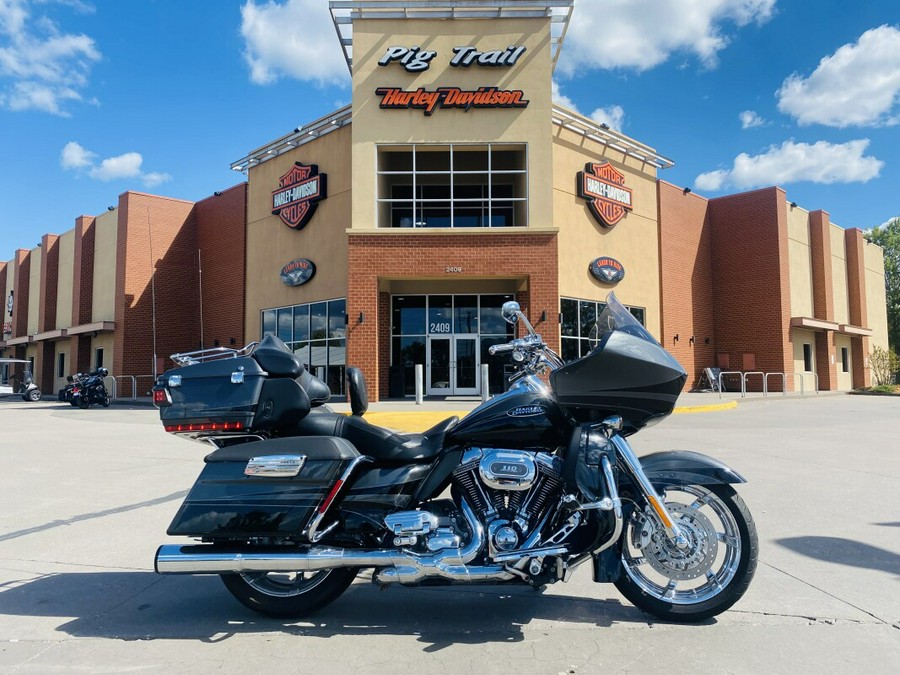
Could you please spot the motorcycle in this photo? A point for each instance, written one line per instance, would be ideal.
(88, 389)
(529, 486)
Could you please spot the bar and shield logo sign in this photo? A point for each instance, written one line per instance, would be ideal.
(602, 186)
(298, 194)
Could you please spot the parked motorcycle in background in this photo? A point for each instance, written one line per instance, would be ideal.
(296, 500)
(89, 389)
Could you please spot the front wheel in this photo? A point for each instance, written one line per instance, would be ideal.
(287, 595)
(34, 395)
(702, 579)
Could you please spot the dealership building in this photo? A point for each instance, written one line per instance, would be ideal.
(388, 234)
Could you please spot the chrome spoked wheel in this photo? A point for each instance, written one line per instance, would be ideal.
(702, 578)
(288, 594)
(285, 584)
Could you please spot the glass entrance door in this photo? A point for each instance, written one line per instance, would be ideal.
(452, 365)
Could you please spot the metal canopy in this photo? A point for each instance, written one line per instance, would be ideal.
(344, 12)
(600, 133)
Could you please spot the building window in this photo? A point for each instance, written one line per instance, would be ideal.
(452, 186)
(578, 318)
(845, 359)
(807, 357)
(98, 357)
(61, 365)
(315, 332)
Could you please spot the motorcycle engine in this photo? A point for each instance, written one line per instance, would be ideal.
(509, 490)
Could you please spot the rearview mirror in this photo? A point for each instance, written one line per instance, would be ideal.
(510, 312)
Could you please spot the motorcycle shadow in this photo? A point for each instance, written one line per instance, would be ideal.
(143, 605)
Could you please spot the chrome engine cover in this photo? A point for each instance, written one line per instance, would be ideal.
(507, 469)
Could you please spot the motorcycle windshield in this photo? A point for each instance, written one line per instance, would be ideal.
(617, 318)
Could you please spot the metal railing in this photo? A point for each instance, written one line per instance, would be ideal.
(150, 378)
(132, 389)
(765, 380)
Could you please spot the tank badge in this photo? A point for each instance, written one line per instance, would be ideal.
(527, 411)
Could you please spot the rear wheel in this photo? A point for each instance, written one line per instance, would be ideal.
(283, 594)
(105, 401)
(34, 395)
(83, 402)
(707, 576)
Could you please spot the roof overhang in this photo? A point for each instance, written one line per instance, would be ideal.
(855, 330)
(813, 324)
(601, 133)
(50, 335)
(345, 12)
(24, 340)
(97, 326)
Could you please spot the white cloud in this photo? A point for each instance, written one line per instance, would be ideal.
(641, 34)
(791, 162)
(74, 157)
(42, 67)
(749, 120)
(294, 39)
(613, 116)
(858, 85)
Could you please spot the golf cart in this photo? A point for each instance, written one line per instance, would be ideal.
(27, 389)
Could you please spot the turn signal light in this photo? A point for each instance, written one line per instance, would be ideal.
(208, 426)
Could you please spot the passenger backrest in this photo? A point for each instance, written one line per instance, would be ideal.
(357, 393)
(276, 359)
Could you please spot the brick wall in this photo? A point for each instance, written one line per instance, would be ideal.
(484, 256)
(46, 349)
(750, 263)
(20, 297)
(156, 269)
(686, 280)
(221, 238)
(823, 295)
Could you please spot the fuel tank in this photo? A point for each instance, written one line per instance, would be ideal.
(524, 417)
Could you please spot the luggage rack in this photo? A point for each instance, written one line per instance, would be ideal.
(212, 354)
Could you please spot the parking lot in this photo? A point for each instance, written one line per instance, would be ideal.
(86, 496)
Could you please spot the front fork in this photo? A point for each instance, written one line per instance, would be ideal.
(632, 466)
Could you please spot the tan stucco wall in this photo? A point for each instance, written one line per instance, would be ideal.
(634, 241)
(844, 379)
(271, 244)
(34, 291)
(800, 262)
(798, 338)
(105, 342)
(65, 279)
(839, 275)
(528, 125)
(105, 242)
(876, 296)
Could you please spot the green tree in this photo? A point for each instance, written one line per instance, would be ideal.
(887, 236)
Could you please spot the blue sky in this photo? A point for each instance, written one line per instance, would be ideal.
(100, 96)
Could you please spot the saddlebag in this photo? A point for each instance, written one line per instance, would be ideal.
(233, 499)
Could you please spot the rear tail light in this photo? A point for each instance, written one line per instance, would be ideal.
(206, 426)
(161, 397)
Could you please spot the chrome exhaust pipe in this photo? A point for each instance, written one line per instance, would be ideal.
(398, 566)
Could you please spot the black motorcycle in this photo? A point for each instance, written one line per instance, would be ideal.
(296, 499)
(89, 389)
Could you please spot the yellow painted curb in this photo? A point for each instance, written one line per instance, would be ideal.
(727, 405)
(420, 420)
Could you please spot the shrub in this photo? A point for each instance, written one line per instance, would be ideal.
(884, 364)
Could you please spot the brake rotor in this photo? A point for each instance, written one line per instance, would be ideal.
(691, 562)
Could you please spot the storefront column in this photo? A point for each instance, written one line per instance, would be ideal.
(826, 366)
(859, 358)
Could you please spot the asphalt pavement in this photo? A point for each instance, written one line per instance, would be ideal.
(86, 496)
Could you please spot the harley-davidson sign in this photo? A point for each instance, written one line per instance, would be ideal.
(607, 270)
(298, 194)
(394, 98)
(298, 272)
(603, 187)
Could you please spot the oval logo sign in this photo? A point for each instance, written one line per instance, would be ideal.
(298, 272)
(607, 270)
